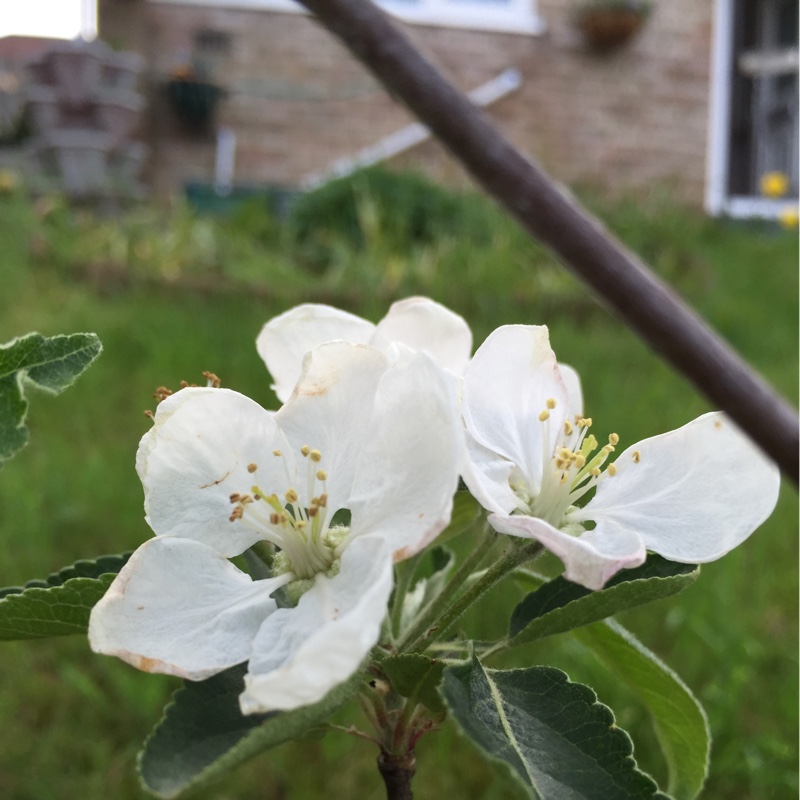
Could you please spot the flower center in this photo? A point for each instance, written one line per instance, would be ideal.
(570, 470)
(297, 521)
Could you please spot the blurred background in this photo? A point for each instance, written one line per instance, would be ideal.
(183, 172)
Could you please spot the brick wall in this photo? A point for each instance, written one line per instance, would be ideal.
(298, 101)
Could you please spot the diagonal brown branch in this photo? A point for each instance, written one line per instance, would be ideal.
(550, 214)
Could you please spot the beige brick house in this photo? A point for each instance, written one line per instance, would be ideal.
(702, 99)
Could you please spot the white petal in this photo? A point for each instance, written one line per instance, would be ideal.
(487, 477)
(410, 458)
(301, 653)
(590, 559)
(426, 326)
(574, 392)
(195, 456)
(180, 608)
(506, 387)
(695, 494)
(330, 407)
(285, 339)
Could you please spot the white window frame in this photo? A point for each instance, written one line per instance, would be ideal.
(717, 201)
(508, 16)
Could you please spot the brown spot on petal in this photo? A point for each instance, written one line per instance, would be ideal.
(216, 483)
(147, 664)
(718, 424)
(402, 554)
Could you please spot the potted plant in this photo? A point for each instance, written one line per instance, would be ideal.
(607, 24)
(194, 97)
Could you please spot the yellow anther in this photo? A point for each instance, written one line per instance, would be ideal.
(251, 468)
(277, 453)
(316, 456)
(305, 449)
(568, 427)
(322, 475)
(613, 439)
(323, 501)
(560, 463)
(550, 403)
(545, 415)
(611, 470)
(583, 422)
(300, 524)
(245, 499)
(637, 456)
(565, 452)
(595, 472)
(291, 496)
(608, 448)
(580, 461)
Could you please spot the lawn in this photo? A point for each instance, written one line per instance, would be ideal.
(172, 295)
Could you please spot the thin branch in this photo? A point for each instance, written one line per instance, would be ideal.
(549, 213)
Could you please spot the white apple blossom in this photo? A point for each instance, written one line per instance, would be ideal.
(378, 440)
(691, 495)
(416, 322)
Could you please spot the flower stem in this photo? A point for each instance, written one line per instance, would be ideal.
(517, 554)
(397, 772)
(428, 615)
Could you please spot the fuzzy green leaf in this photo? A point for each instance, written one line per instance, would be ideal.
(203, 734)
(49, 364)
(558, 741)
(561, 605)
(412, 674)
(61, 603)
(678, 718)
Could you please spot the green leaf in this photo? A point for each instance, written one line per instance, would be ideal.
(678, 718)
(557, 739)
(466, 513)
(561, 605)
(60, 604)
(412, 674)
(50, 364)
(203, 734)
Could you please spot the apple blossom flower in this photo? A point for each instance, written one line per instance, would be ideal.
(691, 495)
(416, 322)
(360, 435)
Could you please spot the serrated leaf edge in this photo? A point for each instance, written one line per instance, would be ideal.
(685, 579)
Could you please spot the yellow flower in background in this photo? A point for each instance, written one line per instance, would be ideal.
(788, 218)
(8, 181)
(774, 184)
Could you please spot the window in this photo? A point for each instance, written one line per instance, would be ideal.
(511, 16)
(754, 110)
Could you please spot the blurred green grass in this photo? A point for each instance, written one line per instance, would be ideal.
(172, 294)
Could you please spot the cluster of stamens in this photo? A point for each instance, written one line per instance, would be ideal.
(163, 392)
(569, 470)
(298, 529)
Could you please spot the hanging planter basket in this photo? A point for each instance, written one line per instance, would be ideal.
(607, 26)
(195, 102)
